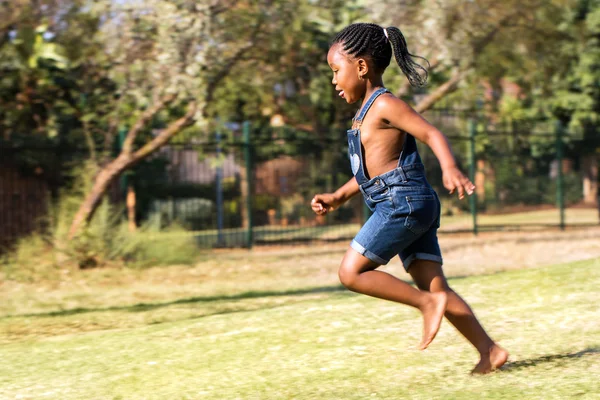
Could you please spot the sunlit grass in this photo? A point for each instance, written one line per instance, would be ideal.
(276, 325)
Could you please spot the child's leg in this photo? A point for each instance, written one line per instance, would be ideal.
(429, 276)
(358, 274)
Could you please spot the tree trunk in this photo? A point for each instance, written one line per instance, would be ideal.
(125, 160)
(446, 88)
(92, 200)
(131, 208)
(590, 179)
(480, 181)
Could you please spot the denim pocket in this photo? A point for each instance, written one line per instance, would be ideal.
(381, 195)
(381, 200)
(423, 212)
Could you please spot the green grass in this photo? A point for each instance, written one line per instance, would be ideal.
(276, 325)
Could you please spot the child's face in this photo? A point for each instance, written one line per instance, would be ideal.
(346, 72)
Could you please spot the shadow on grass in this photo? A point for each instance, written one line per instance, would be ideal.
(532, 362)
(140, 307)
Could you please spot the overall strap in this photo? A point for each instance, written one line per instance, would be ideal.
(363, 111)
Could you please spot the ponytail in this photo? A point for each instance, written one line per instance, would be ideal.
(404, 58)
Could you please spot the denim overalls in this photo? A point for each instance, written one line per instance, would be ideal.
(406, 209)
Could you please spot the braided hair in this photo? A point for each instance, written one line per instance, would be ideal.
(371, 41)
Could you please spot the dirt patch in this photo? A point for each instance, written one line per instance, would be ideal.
(496, 251)
(467, 254)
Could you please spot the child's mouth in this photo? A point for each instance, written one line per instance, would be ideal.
(342, 94)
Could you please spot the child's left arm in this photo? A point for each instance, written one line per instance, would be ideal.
(402, 116)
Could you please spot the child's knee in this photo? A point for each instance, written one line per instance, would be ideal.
(347, 275)
(443, 287)
(439, 284)
(434, 285)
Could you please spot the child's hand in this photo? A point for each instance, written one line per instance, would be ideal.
(455, 180)
(324, 203)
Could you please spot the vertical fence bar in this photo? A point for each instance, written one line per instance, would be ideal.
(472, 161)
(248, 161)
(560, 193)
(219, 179)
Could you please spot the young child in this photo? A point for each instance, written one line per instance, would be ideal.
(388, 171)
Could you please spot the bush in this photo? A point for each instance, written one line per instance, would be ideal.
(105, 241)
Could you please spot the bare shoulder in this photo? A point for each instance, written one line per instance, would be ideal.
(389, 107)
(392, 111)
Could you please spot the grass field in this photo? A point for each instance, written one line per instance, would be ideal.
(275, 324)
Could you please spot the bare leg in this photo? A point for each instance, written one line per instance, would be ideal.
(428, 276)
(358, 274)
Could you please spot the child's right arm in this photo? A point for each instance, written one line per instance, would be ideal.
(326, 202)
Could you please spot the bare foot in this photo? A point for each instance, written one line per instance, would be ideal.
(433, 312)
(494, 359)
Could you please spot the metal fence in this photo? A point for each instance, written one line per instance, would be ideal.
(245, 189)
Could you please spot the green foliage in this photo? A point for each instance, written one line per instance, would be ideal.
(47, 70)
(559, 74)
(294, 83)
(107, 238)
(31, 259)
(106, 241)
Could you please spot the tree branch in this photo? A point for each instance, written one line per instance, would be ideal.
(220, 7)
(488, 37)
(446, 88)
(143, 121)
(451, 84)
(166, 134)
(223, 72)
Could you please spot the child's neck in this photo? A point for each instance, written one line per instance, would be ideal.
(372, 85)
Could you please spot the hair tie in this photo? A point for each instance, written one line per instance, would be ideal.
(386, 34)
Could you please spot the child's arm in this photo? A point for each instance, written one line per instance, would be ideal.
(401, 116)
(326, 202)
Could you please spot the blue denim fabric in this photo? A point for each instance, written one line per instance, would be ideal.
(406, 209)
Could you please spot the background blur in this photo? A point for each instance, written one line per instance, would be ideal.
(127, 123)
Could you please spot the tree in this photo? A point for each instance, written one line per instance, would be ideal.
(168, 58)
(459, 38)
(575, 97)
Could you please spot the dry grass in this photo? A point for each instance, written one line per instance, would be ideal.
(224, 273)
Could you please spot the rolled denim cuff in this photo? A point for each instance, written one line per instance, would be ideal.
(370, 255)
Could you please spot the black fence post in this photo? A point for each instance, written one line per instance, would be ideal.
(248, 162)
(560, 193)
(472, 161)
(219, 181)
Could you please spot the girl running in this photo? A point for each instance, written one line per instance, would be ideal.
(388, 171)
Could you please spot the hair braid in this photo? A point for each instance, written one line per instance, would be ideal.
(369, 40)
(404, 58)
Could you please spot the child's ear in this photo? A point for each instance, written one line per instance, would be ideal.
(363, 67)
